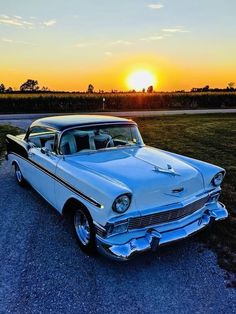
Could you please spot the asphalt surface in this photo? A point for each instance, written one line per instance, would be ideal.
(145, 113)
(24, 120)
(42, 269)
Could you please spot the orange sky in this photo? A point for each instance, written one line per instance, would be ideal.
(71, 46)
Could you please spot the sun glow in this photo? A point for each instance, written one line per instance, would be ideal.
(141, 79)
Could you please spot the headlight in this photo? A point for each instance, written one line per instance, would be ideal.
(218, 178)
(121, 203)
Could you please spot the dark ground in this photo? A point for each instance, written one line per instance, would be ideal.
(42, 269)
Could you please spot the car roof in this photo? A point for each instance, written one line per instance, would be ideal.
(62, 123)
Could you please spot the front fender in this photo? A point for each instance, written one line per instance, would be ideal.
(96, 192)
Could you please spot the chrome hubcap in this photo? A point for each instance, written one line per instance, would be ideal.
(18, 174)
(82, 227)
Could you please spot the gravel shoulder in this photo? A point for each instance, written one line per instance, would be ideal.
(42, 269)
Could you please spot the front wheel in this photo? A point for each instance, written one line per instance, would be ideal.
(84, 230)
(18, 175)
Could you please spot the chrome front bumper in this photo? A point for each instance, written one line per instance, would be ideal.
(153, 238)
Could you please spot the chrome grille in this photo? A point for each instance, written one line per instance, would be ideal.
(166, 216)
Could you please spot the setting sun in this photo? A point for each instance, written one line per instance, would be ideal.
(141, 79)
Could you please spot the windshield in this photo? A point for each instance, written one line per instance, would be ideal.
(100, 137)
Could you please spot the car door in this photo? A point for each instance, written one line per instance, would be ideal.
(43, 162)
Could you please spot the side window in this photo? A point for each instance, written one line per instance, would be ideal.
(76, 141)
(42, 137)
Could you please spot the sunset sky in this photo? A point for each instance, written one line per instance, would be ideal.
(66, 45)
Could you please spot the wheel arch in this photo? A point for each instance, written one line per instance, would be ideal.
(71, 204)
(15, 162)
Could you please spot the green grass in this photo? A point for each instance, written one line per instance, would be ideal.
(211, 138)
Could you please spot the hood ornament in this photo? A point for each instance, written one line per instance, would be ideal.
(169, 170)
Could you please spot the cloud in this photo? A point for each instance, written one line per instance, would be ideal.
(155, 6)
(152, 38)
(19, 21)
(7, 40)
(49, 23)
(11, 41)
(166, 32)
(27, 23)
(121, 42)
(11, 21)
(178, 29)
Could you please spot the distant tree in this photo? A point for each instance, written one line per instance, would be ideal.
(150, 89)
(29, 86)
(90, 89)
(230, 85)
(2, 88)
(206, 88)
(9, 90)
(44, 89)
(143, 90)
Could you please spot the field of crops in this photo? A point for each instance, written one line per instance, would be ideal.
(82, 102)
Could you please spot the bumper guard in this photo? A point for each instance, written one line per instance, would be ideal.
(153, 239)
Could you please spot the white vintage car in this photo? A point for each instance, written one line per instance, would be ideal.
(126, 197)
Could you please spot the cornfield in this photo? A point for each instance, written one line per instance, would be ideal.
(82, 102)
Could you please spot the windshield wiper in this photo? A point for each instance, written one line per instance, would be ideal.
(125, 145)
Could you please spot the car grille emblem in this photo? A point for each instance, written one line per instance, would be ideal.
(178, 190)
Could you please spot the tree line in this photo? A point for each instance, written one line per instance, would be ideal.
(33, 86)
(28, 86)
(229, 87)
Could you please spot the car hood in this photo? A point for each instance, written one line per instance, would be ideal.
(154, 177)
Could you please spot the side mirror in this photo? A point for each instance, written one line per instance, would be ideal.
(46, 151)
(31, 145)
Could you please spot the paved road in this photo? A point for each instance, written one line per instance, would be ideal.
(120, 113)
(24, 120)
(42, 269)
